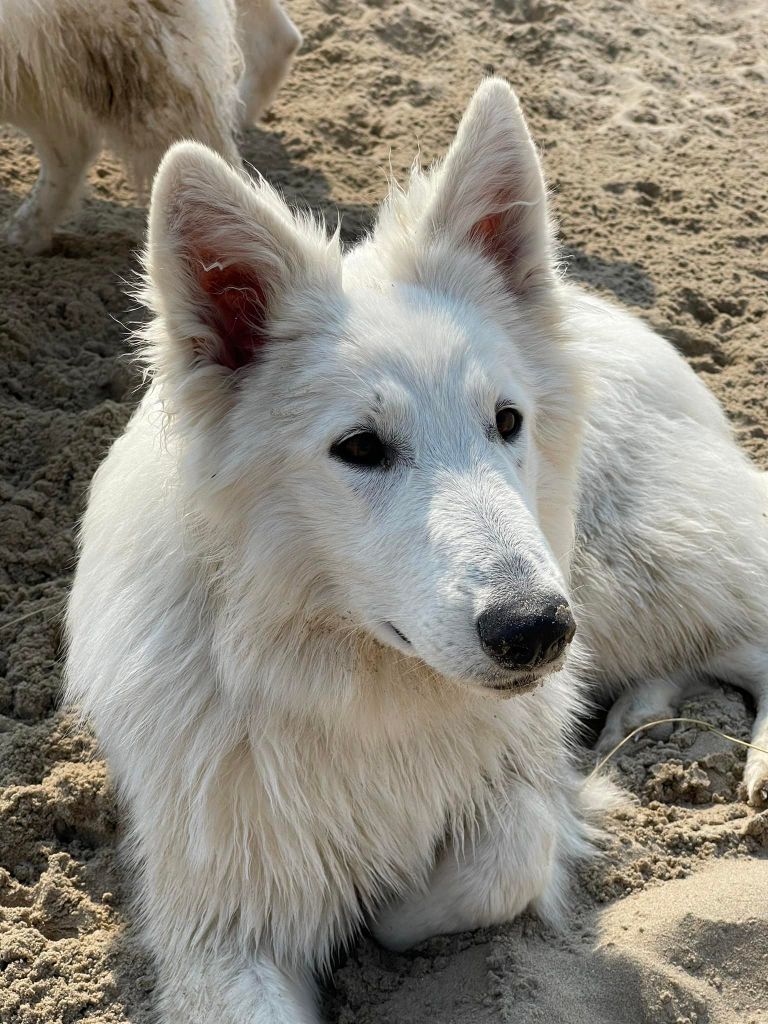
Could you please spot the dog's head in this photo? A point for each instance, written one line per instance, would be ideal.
(389, 438)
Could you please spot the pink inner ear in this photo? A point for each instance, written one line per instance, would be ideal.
(497, 243)
(236, 309)
(498, 233)
(487, 229)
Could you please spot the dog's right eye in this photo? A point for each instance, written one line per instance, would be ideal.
(365, 449)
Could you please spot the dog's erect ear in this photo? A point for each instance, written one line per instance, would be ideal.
(490, 190)
(222, 253)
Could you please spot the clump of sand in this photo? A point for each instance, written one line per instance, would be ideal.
(651, 121)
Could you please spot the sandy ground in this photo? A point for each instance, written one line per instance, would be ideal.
(652, 121)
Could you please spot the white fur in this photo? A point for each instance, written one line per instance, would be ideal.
(670, 572)
(79, 74)
(292, 767)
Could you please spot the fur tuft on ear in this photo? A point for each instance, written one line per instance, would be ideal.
(488, 194)
(222, 254)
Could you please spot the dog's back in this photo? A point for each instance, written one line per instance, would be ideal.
(668, 501)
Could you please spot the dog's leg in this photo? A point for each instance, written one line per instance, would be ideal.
(211, 988)
(64, 158)
(645, 702)
(268, 39)
(746, 666)
(518, 860)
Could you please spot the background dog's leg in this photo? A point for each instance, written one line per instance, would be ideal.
(206, 988)
(517, 861)
(65, 154)
(746, 666)
(268, 39)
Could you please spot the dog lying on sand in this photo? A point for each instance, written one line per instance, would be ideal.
(78, 74)
(330, 574)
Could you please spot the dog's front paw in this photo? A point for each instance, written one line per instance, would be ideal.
(30, 241)
(405, 923)
(756, 779)
(26, 231)
(630, 712)
(391, 928)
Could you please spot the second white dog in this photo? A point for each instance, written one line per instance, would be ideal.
(78, 74)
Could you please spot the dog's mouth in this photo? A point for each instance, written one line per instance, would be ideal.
(520, 681)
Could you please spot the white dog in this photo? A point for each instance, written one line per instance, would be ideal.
(338, 531)
(78, 74)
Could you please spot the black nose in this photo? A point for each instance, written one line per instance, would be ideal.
(526, 636)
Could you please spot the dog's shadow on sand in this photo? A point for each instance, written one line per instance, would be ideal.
(303, 186)
(628, 282)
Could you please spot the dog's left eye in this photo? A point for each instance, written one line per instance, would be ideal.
(508, 422)
(365, 449)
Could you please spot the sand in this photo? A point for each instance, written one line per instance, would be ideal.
(652, 121)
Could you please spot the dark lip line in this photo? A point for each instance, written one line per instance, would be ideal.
(402, 636)
(532, 679)
(520, 684)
